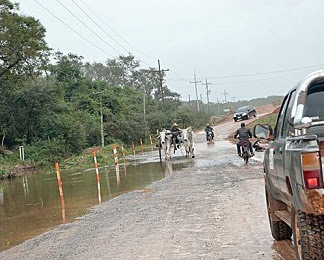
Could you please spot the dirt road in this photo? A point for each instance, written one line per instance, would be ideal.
(214, 209)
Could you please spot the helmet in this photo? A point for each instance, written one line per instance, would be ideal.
(207, 125)
(175, 124)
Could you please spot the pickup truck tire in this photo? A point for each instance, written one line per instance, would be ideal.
(279, 229)
(308, 235)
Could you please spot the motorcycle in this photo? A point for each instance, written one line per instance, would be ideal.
(210, 138)
(245, 151)
(259, 146)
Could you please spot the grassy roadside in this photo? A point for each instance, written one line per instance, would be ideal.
(269, 119)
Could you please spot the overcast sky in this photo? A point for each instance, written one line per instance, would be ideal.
(221, 40)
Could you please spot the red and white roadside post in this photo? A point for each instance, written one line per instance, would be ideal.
(59, 182)
(97, 174)
(114, 147)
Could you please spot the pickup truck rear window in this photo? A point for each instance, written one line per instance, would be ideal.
(314, 107)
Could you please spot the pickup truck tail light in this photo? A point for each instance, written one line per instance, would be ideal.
(312, 170)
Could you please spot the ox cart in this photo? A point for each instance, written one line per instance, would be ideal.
(167, 141)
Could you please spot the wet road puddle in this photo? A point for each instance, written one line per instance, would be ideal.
(31, 205)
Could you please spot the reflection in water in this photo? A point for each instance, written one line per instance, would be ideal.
(1, 195)
(97, 175)
(168, 169)
(25, 185)
(117, 175)
(108, 184)
(31, 205)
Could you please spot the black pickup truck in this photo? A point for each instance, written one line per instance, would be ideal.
(293, 167)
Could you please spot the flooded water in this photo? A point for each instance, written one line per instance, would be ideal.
(31, 205)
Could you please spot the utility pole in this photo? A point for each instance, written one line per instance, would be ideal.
(225, 95)
(144, 104)
(195, 82)
(144, 111)
(217, 107)
(160, 74)
(101, 117)
(189, 101)
(208, 92)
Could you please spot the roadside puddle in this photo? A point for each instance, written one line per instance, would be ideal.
(31, 205)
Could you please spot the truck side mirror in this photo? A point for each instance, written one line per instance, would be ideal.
(263, 131)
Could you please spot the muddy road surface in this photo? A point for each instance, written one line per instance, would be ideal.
(213, 209)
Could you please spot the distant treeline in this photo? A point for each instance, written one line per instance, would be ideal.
(271, 100)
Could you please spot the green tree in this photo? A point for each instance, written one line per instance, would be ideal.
(23, 49)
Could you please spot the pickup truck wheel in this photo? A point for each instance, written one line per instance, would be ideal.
(279, 229)
(308, 235)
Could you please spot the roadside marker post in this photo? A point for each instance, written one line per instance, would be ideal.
(97, 175)
(133, 147)
(59, 183)
(22, 153)
(114, 147)
(151, 142)
(123, 152)
(141, 143)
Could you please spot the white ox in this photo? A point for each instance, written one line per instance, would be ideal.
(165, 141)
(188, 142)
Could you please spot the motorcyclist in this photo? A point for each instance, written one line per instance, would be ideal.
(209, 129)
(175, 130)
(243, 133)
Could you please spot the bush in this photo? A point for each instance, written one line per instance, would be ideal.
(47, 150)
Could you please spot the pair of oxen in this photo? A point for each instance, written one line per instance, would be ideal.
(185, 137)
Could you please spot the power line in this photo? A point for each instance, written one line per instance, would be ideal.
(73, 29)
(114, 31)
(88, 27)
(100, 27)
(268, 72)
(121, 37)
(256, 74)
